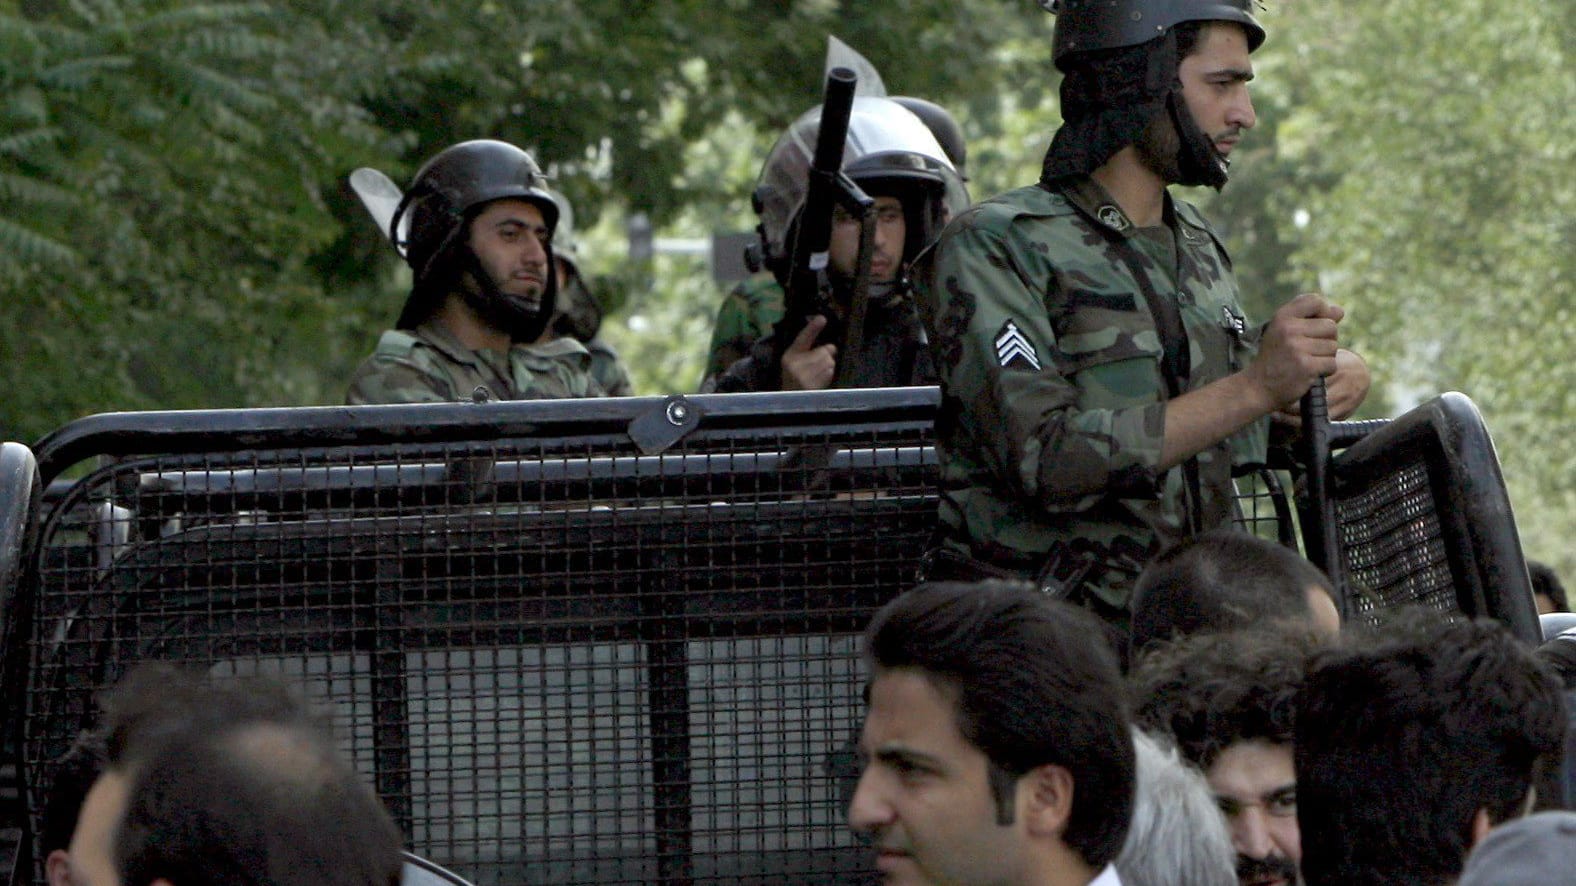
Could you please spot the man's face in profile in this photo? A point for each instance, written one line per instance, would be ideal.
(924, 798)
(98, 825)
(1256, 786)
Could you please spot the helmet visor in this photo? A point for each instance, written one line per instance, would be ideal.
(885, 140)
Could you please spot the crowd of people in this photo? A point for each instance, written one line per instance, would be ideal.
(1096, 681)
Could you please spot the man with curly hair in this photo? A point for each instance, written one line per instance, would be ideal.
(1229, 702)
(1413, 745)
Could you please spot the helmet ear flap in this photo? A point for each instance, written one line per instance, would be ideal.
(434, 276)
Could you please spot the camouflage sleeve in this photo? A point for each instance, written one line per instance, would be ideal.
(1060, 421)
(732, 334)
(384, 379)
(609, 370)
(750, 310)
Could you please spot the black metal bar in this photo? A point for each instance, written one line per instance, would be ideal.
(1320, 532)
(667, 672)
(1285, 527)
(229, 430)
(1345, 433)
(390, 706)
(20, 494)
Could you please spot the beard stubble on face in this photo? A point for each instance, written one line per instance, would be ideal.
(498, 309)
(1269, 869)
(1159, 148)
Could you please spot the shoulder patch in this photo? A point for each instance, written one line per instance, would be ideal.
(1014, 350)
(1113, 217)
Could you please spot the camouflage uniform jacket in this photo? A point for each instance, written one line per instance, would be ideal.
(429, 365)
(894, 353)
(748, 312)
(1053, 406)
(608, 369)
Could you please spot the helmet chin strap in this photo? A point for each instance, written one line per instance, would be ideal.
(1197, 159)
(496, 306)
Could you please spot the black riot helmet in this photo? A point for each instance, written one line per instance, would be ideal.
(1121, 60)
(447, 193)
(1093, 25)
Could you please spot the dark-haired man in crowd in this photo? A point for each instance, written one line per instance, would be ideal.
(71, 776)
(1413, 745)
(996, 741)
(226, 783)
(1547, 590)
(1227, 579)
(1229, 702)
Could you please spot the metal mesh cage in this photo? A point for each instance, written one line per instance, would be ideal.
(601, 641)
(561, 659)
(1263, 508)
(1422, 518)
(1393, 547)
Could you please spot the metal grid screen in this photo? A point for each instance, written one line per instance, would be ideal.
(560, 661)
(1393, 546)
(564, 656)
(1421, 518)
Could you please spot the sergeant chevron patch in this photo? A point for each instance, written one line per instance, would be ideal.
(1013, 349)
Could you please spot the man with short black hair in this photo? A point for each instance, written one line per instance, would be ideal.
(1412, 746)
(996, 741)
(1226, 579)
(1229, 702)
(226, 783)
(1547, 591)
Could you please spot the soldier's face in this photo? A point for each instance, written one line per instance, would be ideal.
(1215, 84)
(891, 230)
(509, 238)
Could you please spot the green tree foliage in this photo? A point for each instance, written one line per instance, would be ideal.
(1433, 150)
(175, 229)
(162, 180)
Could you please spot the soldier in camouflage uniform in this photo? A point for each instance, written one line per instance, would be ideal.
(896, 160)
(479, 244)
(752, 308)
(1100, 383)
(579, 314)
